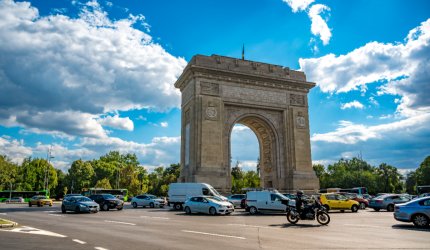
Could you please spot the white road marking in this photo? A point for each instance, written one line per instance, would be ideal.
(3, 213)
(360, 225)
(100, 248)
(58, 215)
(51, 211)
(79, 241)
(211, 234)
(32, 230)
(120, 222)
(161, 218)
(246, 225)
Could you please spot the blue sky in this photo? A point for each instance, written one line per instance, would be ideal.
(87, 77)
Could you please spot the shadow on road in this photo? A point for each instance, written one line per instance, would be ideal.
(289, 225)
(410, 227)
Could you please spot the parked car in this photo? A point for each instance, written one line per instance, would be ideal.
(79, 204)
(145, 200)
(236, 199)
(107, 201)
(335, 201)
(422, 195)
(208, 205)
(363, 203)
(387, 201)
(266, 201)
(416, 211)
(15, 200)
(40, 201)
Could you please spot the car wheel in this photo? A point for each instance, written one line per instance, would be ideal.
(39, 205)
(390, 208)
(177, 206)
(327, 208)
(63, 209)
(342, 211)
(29, 204)
(77, 209)
(420, 220)
(105, 207)
(134, 204)
(161, 206)
(212, 211)
(151, 205)
(354, 208)
(50, 204)
(120, 208)
(376, 209)
(362, 205)
(187, 210)
(253, 210)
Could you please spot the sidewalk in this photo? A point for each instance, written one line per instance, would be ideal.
(7, 223)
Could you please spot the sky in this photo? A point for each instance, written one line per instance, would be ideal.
(82, 78)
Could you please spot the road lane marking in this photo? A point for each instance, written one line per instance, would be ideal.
(246, 225)
(3, 213)
(58, 215)
(100, 248)
(32, 230)
(211, 234)
(154, 217)
(360, 225)
(51, 211)
(120, 222)
(79, 241)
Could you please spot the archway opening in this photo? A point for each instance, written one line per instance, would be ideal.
(244, 159)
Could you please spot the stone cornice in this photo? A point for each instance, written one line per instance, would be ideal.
(259, 74)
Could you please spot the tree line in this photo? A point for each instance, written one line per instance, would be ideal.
(116, 170)
(111, 171)
(381, 179)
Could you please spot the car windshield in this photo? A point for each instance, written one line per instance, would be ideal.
(83, 199)
(214, 191)
(108, 196)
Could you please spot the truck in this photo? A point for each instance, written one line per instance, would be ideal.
(180, 192)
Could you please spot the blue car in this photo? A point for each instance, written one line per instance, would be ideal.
(416, 211)
(79, 204)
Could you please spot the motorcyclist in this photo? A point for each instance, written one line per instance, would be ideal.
(299, 201)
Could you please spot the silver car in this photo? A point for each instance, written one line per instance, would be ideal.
(147, 200)
(236, 199)
(416, 211)
(79, 204)
(208, 205)
(387, 201)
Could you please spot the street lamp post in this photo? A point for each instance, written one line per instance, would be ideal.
(48, 159)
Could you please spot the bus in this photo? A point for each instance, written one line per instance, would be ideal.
(423, 189)
(119, 193)
(4, 195)
(354, 190)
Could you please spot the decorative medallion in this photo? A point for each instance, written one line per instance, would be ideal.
(301, 121)
(211, 112)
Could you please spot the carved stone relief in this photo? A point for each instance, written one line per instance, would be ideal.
(297, 100)
(207, 88)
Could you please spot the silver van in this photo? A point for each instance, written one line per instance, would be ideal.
(267, 201)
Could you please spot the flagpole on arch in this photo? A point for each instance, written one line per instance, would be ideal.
(243, 51)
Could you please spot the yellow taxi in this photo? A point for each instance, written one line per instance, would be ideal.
(40, 201)
(333, 201)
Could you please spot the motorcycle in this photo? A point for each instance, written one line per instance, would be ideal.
(310, 212)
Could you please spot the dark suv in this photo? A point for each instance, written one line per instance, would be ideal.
(107, 201)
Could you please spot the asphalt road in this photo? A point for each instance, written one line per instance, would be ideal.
(145, 228)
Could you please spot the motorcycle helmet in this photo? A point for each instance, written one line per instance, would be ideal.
(299, 193)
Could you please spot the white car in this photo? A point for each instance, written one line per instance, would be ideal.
(145, 200)
(207, 204)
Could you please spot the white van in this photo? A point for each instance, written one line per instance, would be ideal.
(180, 192)
(266, 201)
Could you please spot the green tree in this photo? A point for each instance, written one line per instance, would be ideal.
(103, 183)
(80, 175)
(390, 179)
(34, 173)
(423, 172)
(8, 173)
(237, 179)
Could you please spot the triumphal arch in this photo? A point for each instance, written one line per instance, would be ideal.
(219, 92)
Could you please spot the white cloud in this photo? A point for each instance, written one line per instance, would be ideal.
(240, 128)
(87, 66)
(319, 26)
(164, 124)
(350, 133)
(14, 149)
(353, 104)
(403, 66)
(298, 5)
(117, 122)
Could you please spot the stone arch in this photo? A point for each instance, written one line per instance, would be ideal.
(268, 145)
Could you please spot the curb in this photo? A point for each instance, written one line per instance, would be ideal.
(11, 224)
